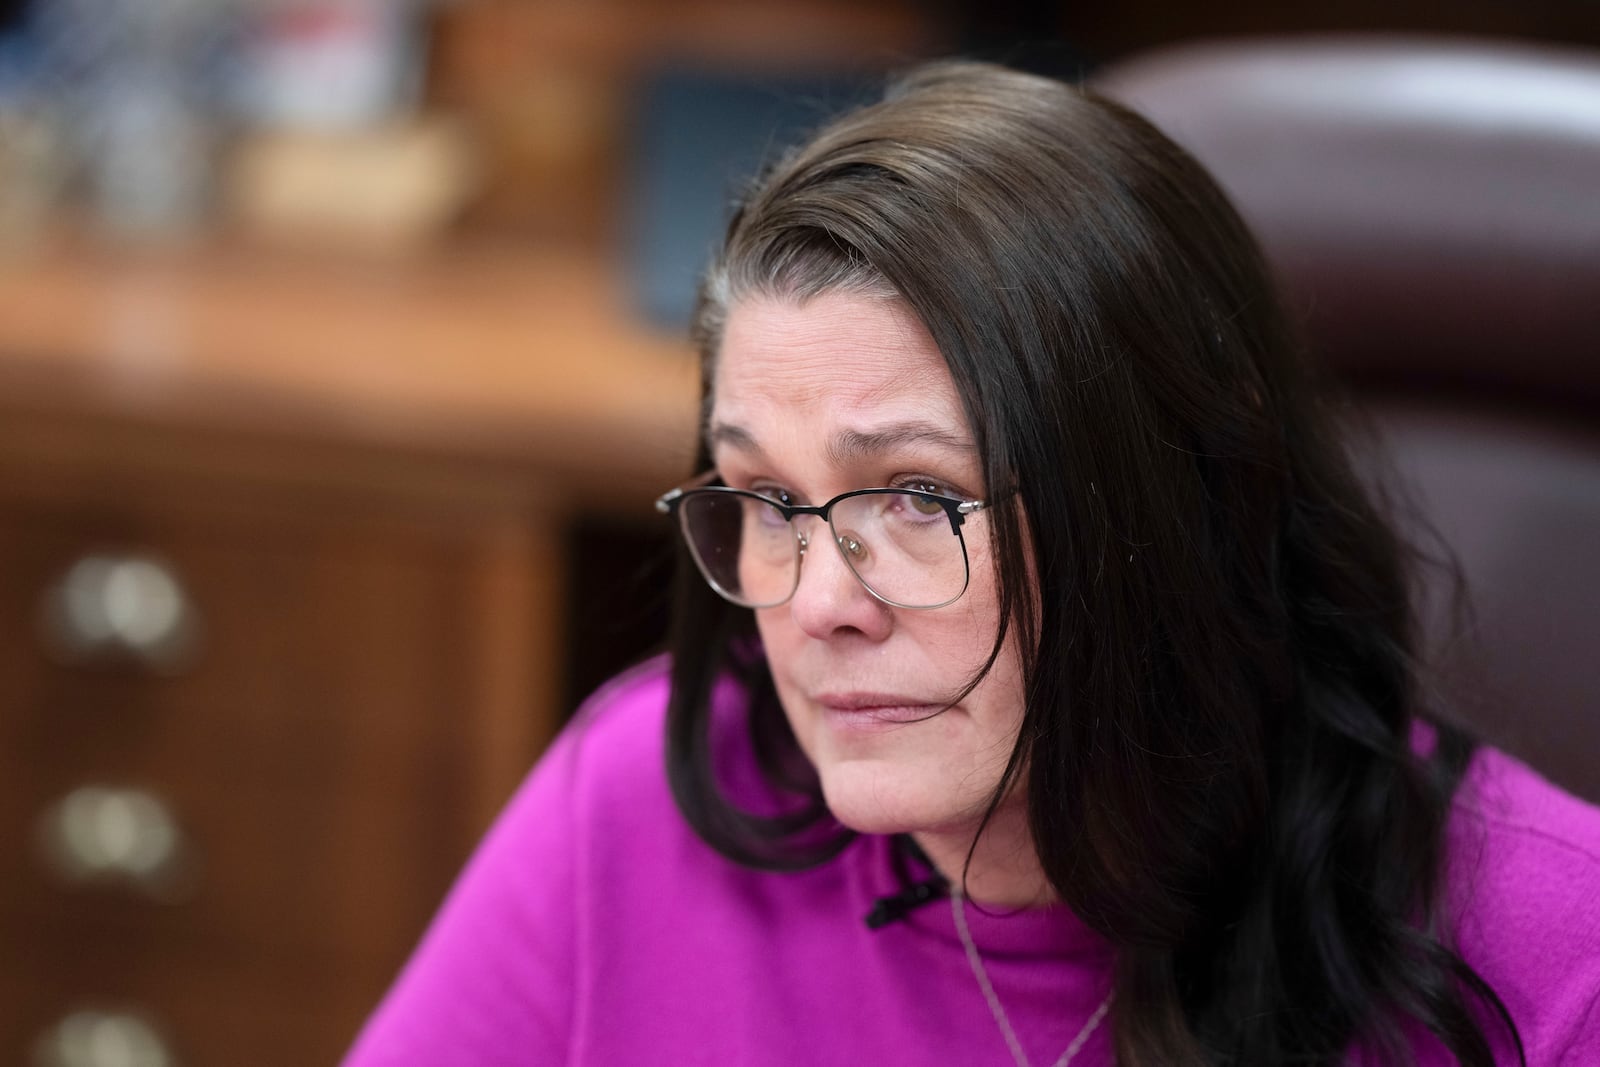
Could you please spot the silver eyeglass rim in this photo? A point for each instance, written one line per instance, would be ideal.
(956, 509)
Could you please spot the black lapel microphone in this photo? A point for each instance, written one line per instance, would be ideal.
(893, 908)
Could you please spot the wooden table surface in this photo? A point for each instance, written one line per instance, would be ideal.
(528, 358)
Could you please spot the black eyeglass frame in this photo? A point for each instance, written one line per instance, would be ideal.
(956, 509)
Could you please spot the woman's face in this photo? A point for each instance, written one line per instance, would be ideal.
(847, 392)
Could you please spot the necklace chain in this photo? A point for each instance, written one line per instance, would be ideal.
(959, 912)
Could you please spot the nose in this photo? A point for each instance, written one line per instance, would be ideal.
(829, 598)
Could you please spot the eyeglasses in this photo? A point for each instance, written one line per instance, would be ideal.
(904, 545)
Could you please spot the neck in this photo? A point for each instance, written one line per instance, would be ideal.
(1005, 869)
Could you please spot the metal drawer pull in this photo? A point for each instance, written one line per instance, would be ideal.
(121, 605)
(90, 1038)
(100, 834)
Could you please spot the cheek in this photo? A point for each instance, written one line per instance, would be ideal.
(776, 630)
(965, 631)
(958, 645)
(997, 702)
(783, 644)
(1002, 693)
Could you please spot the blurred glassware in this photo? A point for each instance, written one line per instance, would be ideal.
(133, 85)
(333, 151)
(329, 64)
(33, 170)
(32, 163)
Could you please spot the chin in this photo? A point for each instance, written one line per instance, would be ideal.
(871, 798)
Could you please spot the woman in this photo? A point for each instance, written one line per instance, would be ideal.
(1087, 733)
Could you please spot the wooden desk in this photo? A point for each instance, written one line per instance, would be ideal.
(354, 477)
(514, 358)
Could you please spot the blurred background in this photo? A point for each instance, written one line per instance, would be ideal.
(341, 356)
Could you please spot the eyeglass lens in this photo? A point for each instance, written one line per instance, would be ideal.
(900, 545)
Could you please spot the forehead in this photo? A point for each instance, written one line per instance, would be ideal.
(838, 356)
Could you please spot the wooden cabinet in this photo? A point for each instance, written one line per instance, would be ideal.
(261, 689)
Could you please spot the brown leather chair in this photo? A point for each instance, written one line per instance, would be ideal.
(1432, 208)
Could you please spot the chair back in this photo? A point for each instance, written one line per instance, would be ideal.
(1432, 210)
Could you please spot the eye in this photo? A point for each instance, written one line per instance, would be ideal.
(927, 485)
(774, 494)
(921, 505)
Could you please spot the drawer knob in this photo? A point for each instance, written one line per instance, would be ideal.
(101, 834)
(90, 1038)
(130, 605)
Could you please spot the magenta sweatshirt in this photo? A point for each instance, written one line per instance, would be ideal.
(594, 928)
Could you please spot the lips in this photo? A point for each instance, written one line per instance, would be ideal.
(870, 709)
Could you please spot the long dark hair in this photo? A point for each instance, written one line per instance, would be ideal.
(1219, 746)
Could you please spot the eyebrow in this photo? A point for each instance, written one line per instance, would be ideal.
(853, 445)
